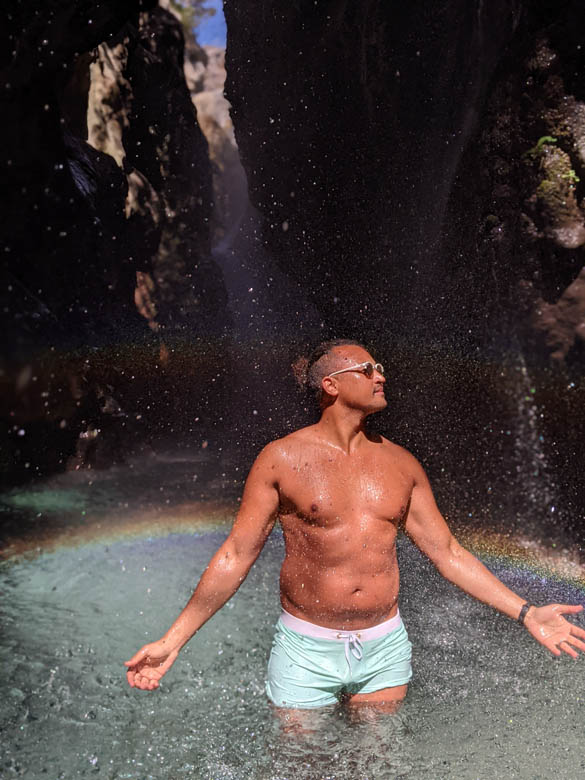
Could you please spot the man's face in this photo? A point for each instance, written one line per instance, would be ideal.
(354, 388)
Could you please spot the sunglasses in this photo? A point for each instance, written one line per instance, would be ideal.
(366, 368)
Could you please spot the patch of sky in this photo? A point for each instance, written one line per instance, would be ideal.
(211, 30)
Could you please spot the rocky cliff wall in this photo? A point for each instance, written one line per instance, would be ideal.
(419, 170)
(105, 225)
(351, 119)
(515, 238)
(230, 185)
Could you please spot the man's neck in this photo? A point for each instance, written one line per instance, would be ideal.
(342, 427)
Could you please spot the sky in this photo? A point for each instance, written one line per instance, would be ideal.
(212, 30)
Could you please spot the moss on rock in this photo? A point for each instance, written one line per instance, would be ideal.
(554, 198)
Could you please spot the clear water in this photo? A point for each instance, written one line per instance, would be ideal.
(165, 491)
(485, 702)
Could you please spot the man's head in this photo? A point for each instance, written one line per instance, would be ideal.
(342, 369)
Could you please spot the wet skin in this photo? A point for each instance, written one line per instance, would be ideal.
(340, 514)
(340, 495)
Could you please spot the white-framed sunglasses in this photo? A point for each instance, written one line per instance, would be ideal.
(366, 368)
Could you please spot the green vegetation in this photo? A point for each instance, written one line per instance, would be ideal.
(572, 177)
(191, 12)
(545, 139)
(537, 148)
(556, 165)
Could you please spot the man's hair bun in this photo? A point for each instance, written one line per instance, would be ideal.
(300, 370)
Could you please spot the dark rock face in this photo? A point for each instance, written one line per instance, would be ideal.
(517, 233)
(351, 118)
(167, 145)
(518, 201)
(71, 202)
(419, 168)
(63, 219)
(105, 226)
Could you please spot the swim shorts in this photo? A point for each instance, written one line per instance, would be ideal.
(312, 666)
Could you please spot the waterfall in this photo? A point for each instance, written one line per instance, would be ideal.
(532, 469)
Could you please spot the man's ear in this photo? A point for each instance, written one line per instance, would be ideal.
(329, 386)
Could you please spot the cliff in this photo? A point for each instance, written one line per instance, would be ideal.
(420, 172)
(106, 225)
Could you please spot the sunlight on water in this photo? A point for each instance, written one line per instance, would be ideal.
(65, 500)
(485, 701)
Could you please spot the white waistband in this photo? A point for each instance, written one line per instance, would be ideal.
(321, 632)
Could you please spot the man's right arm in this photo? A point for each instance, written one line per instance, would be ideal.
(223, 576)
(429, 531)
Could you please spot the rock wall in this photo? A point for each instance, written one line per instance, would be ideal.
(230, 186)
(106, 223)
(521, 185)
(419, 170)
(351, 119)
(516, 236)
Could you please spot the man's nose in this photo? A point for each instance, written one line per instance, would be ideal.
(378, 377)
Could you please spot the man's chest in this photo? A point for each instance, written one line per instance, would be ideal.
(331, 488)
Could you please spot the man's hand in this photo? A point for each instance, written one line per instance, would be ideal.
(150, 663)
(548, 626)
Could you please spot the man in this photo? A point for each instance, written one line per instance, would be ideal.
(341, 494)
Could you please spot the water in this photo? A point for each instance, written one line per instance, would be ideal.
(485, 702)
(531, 462)
(165, 492)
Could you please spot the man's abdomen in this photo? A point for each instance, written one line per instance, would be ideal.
(346, 597)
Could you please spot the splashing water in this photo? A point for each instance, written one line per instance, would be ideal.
(485, 701)
(531, 462)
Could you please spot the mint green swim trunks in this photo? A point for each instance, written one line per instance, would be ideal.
(313, 666)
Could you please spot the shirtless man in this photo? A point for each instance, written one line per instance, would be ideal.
(340, 495)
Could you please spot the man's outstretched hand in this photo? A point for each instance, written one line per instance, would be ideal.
(548, 626)
(150, 663)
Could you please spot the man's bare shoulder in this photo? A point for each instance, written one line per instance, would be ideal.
(401, 456)
(281, 450)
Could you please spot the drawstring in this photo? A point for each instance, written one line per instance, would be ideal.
(353, 645)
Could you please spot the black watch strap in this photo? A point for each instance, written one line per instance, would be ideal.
(523, 611)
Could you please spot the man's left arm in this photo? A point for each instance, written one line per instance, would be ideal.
(427, 528)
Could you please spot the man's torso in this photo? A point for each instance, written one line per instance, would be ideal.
(340, 515)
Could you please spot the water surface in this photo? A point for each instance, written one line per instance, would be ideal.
(485, 701)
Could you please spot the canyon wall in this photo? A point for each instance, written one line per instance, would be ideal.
(107, 269)
(419, 167)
